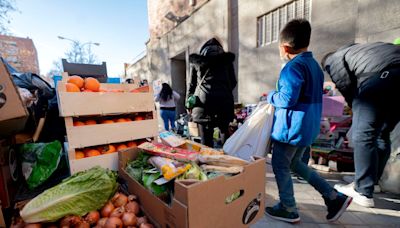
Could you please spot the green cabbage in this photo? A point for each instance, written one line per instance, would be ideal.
(77, 195)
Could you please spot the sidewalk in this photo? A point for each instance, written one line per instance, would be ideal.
(313, 211)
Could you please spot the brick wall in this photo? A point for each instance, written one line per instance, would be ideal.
(158, 24)
(19, 53)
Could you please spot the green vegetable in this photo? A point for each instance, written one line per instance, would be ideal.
(135, 168)
(39, 161)
(194, 173)
(77, 195)
(149, 176)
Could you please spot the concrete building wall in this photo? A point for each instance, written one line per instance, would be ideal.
(140, 69)
(186, 38)
(333, 25)
(157, 9)
(19, 53)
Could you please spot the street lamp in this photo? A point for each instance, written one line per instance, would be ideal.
(81, 46)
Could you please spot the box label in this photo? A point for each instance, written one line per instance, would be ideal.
(252, 210)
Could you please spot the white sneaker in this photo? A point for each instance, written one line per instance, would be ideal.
(350, 180)
(357, 197)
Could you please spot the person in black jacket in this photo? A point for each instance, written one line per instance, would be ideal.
(368, 76)
(212, 81)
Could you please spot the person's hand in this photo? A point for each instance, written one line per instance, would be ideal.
(189, 111)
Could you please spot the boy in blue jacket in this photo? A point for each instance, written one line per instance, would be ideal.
(298, 107)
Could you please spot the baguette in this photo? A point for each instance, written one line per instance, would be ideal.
(221, 169)
(222, 160)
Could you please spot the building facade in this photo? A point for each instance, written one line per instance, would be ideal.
(19, 53)
(250, 30)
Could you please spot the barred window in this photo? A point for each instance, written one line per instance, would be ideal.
(270, 24)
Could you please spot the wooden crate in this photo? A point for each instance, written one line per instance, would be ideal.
(109, 161)
(92, 135)
(103, 103)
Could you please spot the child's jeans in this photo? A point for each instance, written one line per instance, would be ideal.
(286, 157)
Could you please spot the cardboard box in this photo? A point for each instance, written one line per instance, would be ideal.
(202, 204)
(13, 113)
(9, 174)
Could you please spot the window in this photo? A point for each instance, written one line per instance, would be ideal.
(269, 24)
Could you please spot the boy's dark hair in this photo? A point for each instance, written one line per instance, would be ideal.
(296, 33)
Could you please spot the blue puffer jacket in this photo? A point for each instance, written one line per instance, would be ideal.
(298, 101)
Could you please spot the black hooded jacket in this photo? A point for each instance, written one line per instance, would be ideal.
(216, 102)
(350, 65)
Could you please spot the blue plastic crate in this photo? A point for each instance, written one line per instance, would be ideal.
(114, 80)
(56, 78)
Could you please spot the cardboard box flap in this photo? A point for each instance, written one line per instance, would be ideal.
(11, 106)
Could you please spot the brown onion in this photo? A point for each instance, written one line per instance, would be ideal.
(102, 222)
(117, 212)
(129, 219)
(51, 225)
(113, 222)
(141, 220)
(82, 225)
(119, 200)
(146, 225)
(132, 197)
(33, 225)
(133, 207)
(70, 220)
(107, 209)
(92, 217)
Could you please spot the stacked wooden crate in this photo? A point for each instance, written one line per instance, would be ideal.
(120, 100)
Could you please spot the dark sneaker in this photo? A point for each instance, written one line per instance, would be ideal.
(280, 213)
(337, 206)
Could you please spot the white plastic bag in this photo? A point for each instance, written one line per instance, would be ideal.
(253, 137)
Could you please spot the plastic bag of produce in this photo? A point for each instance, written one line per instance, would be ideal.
(253, 137)
(39, 161)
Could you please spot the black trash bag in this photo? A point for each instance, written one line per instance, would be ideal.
(34, 83)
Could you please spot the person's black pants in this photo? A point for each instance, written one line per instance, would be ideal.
(206, 132)
(375, 114)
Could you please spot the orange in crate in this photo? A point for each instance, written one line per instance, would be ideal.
(92, 152)
(90, 122)
(107, 122)
(72, 87)
(107, 149)
(78, 123)
(132, 144)
(121, 147)
(79, 155)
(92, 84)
(77, 80)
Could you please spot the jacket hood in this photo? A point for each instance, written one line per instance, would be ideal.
(211, 47)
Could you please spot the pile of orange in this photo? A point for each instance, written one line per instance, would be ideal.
(107, 121)
(104, 149)
(77, 84)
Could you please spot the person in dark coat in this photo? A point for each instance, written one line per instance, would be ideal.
(213, 77)
(368, 76)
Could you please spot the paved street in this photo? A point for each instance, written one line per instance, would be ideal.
(313, 211)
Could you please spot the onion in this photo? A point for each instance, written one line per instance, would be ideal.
(52, 225)
(132, 206)
(83, 225)
(102, 222)
(146, 225)
(70, 220)
(117, 212)
(129, 219)
(92, 217)
(132, 197)
(119, 200)
(33, 225)
(141, 220)
(113, 222)
(107, 209)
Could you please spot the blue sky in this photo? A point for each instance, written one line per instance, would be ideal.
(120, 26)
